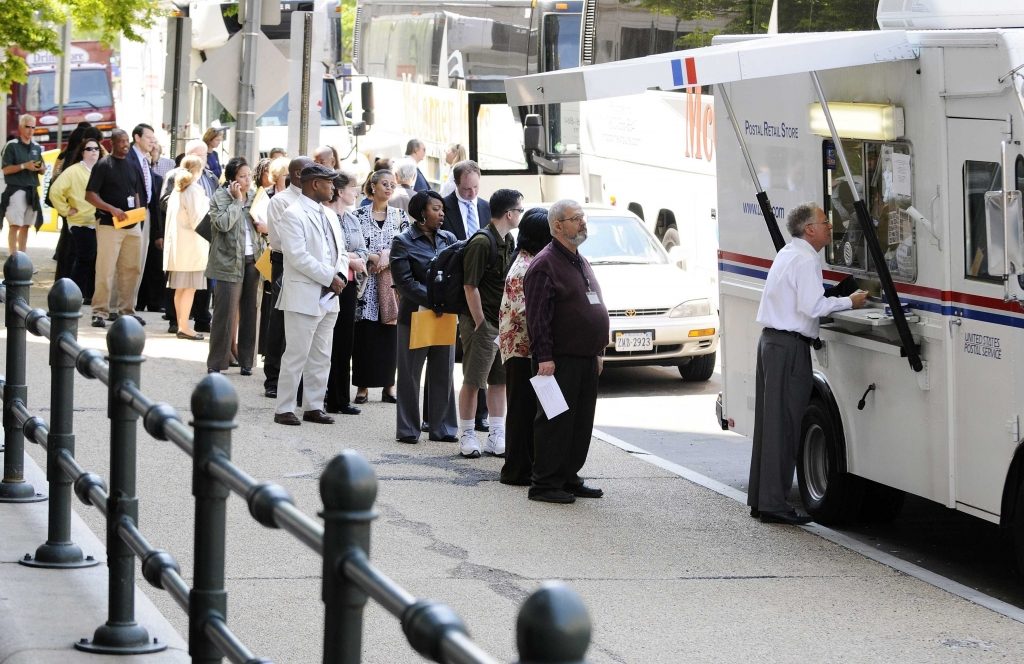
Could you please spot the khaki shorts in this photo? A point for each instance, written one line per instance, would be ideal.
(481, 363)
(19, 212)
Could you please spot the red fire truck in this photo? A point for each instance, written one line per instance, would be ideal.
(89, 97)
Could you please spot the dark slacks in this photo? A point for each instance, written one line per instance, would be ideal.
(783, 389)
(520, 413)
(64, 254)
(561, 444)
(153, 287)
(232, 299)
(83, 270)
(339, 382)
(440, 413)
(274, 346)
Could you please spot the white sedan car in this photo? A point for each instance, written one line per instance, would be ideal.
(659, 314)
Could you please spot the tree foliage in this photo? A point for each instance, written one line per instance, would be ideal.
(31, 26)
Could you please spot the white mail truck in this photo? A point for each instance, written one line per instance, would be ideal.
(910, 137)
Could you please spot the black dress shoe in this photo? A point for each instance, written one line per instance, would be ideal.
(142, 321)
(347, 409)
(387, 398)
(245, 371)
(584, 491)
(201, 327)
(97, 321)
(790, 518)
(270, 392)
(424, 427)
(190, 337)
(287, 418)
(754, 512)
(317, 416)
(445, 439)
(552, 496)
(172, 329)
(408, 440)
(112, 317)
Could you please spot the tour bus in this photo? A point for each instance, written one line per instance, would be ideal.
(910, 139)
(438, 67)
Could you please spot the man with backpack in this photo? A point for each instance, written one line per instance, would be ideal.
(486, 259)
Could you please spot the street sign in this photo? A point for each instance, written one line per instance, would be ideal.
(221, 70)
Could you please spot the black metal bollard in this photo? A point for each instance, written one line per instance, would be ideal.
(121, 635)
(14, 488)
(553, 626)
(65, 302)
(348, 488)
(214, 406)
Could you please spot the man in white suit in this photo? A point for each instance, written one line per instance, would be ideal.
(315, 262)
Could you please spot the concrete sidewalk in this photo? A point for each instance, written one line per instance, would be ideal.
(670, 571)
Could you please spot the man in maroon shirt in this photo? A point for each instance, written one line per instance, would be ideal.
(568, 326)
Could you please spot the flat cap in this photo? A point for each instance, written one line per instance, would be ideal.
(317, 172)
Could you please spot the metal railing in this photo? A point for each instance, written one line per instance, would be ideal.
(552, 625)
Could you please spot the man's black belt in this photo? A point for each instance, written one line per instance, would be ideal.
(276, 257)
(807, 340)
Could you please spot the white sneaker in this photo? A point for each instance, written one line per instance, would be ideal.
(468, 445)
(495, 444)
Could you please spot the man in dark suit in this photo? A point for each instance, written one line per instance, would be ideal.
(463, 210)
(416, 150)
(143, 140)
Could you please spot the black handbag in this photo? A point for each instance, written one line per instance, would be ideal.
(204, 228)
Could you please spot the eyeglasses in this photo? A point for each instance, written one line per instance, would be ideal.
(576, 218)
(92, 149)
(29, 126)
(827, 222)
(387, 185)
(519, 210)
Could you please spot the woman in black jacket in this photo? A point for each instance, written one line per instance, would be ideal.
(411, 253)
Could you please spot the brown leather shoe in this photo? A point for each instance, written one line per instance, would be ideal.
(287, 418)
(318, 416)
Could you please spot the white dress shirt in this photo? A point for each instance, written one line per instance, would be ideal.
(275, 210)
(469, 208)
(794, 296)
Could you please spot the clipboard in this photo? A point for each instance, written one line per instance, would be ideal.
(263, 264)
(136, 216)
(427, 329)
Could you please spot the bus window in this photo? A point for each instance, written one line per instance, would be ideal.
(499, 139)
(979, 177)
(882, 175)
(561, 50)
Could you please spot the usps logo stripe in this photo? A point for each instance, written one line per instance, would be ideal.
(677, 72)
(691, 71)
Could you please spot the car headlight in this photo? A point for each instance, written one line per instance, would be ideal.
(691, 308)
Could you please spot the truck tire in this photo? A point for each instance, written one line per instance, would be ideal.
(830, 495)
(670, 238)
(1017, 531)
(699, 369)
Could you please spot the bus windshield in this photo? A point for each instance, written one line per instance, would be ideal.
(561, 50)
(89, 88)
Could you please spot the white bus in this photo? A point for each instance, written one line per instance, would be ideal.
(921, 170)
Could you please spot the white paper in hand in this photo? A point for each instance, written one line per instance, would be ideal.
(325, 302)
(549, 395)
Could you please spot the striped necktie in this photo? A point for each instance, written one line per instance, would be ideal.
(472, 225)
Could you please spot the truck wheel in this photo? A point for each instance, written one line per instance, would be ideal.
(699, 369)
(829, 495)
(670, 238)
(1017, 531)
(881, 503)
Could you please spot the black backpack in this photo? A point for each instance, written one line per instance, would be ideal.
(445, 275)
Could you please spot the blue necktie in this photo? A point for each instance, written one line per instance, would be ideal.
(472, 226)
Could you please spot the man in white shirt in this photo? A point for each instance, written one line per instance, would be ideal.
(793, 301)
(315, 265)
(275, 342)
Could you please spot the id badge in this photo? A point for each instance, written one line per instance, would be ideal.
(593, 297)
(131, 202)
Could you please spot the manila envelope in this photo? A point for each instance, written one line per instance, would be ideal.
(263, 264)
(132, 217)
(429, 330)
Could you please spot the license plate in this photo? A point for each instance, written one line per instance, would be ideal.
(634, 341)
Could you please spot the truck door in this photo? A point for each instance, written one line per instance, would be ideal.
(983, 414)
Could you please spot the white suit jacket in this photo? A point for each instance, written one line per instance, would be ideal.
(307, 267)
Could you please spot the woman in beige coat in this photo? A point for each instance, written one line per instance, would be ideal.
(185, 252)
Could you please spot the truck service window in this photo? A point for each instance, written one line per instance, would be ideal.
(979, 177)
(882, 174)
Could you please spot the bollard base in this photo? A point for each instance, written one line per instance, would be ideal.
(120, 639)
(19, 492)
(58, 556)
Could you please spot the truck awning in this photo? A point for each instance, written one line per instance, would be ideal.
(777, 55)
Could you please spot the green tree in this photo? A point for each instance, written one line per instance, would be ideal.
(33, 25)
(348, 24)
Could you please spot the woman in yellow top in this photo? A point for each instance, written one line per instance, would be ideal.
(67, 193)
(185, 252)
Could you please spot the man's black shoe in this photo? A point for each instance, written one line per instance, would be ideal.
(172, 329)
(424, 427)
(112, 317)
(482, 425)
(408, 440)
(346, 409)
(790, 518)
(270, 393)
(287, 418)
(142, 321)
(445, 439)
(552, 496)
(97, 321)
(754, 512)
(245, 371)
(584, 491)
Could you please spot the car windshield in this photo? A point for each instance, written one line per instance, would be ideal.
(620, 241)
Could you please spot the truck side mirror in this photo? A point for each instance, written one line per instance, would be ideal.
(1004, 234)
(533, 134)
(366, 96)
